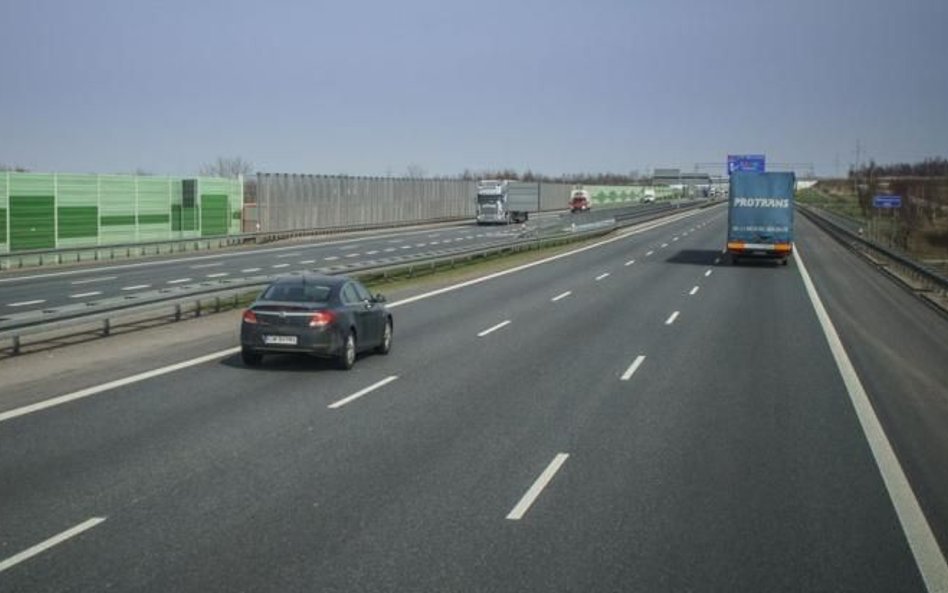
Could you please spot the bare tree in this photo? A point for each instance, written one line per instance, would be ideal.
(227, 167)
(415, 171)
(13, 168)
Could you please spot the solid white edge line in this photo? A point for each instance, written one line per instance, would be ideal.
(633, 367)
(561, 296)
(490, 330)
(694, 291)
(62, 399)
(358, 394)
(928, 556)
(533, 493)
(671, 318)
(53, 541)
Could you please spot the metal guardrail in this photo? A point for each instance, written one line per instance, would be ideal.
(174, 304)
(923, 278)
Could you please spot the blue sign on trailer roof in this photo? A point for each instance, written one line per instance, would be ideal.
(745, 162)
(887, 202)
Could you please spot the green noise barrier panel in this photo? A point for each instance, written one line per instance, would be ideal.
(32, 222)
(58, 210)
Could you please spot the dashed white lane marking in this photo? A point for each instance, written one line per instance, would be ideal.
(26, 303)
(533, 493)
(406, 246)
(49, 543)
(633, 367)
(180, 280)
(490, 330)
(218, 275)
(649, 253)
(358, 394)
(717, 260)
(200, 266)
(91, 280)
(389, 249)
(353, 255)
(435, 242)
(674, 239)
(136, 287)
(694, 291)
(664, 245)
(288, 255)
(671, 318)
(249, 270)
(331, 258)
(83, 295)
(561, 296)
(707, 273)
(928, 555)
(373, 252)
(307, 262)
(630, 262)
(419, 245)
(602, 276)
(280, 266)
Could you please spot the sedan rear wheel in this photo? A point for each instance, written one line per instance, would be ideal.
(347, 358)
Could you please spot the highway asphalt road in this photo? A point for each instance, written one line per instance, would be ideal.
(636, 416)
(71, 286)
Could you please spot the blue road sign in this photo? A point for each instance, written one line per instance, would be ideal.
(887, 202)
(745, 162)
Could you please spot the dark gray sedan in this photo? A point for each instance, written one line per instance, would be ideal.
(327, 316)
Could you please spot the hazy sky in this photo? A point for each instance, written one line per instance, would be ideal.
(368, 88)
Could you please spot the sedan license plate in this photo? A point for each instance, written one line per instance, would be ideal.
(284, 340)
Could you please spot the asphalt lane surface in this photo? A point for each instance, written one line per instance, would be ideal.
(689, 440)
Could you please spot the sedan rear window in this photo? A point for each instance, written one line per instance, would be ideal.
(297, 293)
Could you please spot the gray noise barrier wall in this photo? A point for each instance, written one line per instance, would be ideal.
(294, 201)
(290, 201)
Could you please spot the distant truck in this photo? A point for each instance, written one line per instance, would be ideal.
(579, 201)
(760, 215)
(504, 202)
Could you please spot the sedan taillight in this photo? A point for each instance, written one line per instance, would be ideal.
(321, 319)
(250, 316)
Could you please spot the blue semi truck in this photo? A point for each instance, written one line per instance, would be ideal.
(760, 216)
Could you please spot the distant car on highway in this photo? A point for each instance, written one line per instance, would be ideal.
(579, 201)
(326, 316)
(649, 196)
